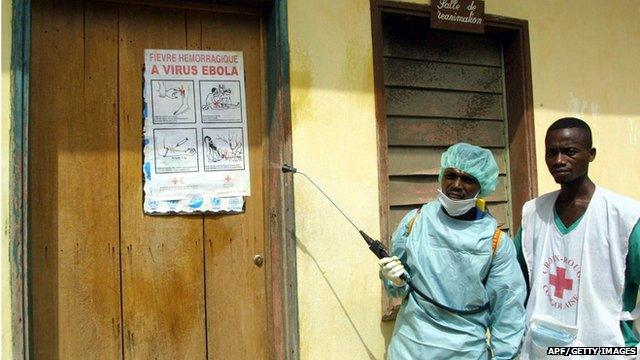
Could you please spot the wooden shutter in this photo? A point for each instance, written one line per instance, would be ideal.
(440, 88)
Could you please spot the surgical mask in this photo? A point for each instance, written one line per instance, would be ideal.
(547, 331)
(456, 207)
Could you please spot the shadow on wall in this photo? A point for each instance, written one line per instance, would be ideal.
(300, 246)
(386, 328)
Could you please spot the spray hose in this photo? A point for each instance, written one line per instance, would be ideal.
(380, 251)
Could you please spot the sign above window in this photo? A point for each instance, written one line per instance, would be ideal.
(460, 15)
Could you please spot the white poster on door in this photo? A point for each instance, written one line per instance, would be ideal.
(196, 153)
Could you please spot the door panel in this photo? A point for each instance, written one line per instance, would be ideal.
(234, 283)
(107, 281)
(162, 263)
(75, 277)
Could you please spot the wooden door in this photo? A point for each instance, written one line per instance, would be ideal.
(107, 281)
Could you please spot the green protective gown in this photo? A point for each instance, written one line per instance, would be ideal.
(451, 261)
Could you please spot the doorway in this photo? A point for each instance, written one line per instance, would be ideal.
(105, 280)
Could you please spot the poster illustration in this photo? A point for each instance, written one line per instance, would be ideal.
(172, 102)
(196, 153)
(176, 150)
(223, 149)
(220, 101)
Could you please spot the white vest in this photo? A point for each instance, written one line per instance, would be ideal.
(577, 279)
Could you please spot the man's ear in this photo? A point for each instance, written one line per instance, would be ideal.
(592, 154)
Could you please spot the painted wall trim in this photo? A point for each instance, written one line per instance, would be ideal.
(18, 162)
(283, 306)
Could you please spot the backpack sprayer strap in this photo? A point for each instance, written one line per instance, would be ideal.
(413, 221)
(495, 241)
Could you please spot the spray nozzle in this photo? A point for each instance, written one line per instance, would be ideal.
(288, 169)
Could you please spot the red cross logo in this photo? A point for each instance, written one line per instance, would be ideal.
(560, 282)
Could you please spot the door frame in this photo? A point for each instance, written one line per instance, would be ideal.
(514, 36)
(281, 280)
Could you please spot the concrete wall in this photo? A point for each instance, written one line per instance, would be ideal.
(584, 63)
(5, 297)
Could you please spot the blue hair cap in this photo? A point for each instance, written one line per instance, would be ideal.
(473, 160)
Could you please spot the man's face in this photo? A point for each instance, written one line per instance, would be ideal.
(568, 154)
(459, 185)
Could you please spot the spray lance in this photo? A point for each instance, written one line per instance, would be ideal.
(380, 251)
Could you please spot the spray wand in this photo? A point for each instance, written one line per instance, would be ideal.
(380, 250)
(375, 246)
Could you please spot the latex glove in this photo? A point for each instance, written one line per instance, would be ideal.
(391, 268)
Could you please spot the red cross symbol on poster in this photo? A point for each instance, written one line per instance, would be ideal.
(560, 282)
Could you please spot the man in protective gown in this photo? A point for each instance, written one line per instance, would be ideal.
(451, 250)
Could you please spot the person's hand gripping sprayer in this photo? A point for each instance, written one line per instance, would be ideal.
(392, 270)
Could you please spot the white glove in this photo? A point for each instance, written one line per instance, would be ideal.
(391, 268)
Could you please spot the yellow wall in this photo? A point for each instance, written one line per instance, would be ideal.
(334, 141)
(5, 299)
(584, 63)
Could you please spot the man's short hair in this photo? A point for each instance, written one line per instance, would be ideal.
(571, 122)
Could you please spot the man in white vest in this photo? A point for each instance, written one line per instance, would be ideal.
(579, 248)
